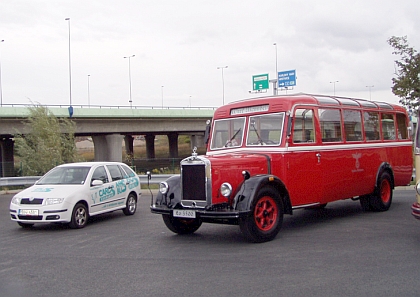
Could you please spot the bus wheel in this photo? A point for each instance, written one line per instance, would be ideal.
(181, 226)
(265, 218)
(382, 197)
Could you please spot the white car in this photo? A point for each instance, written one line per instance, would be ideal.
(71, 193)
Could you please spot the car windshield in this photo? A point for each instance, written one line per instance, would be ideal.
(65, 176)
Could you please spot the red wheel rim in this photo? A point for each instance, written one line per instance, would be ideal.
(265, 213)
(385, 191)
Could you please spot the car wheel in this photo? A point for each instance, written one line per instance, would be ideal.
(265, 217)
(79, 216)
(131, 205)
(181, 226)
(25, 225)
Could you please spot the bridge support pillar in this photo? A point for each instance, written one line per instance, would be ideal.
(150, 146)
(129, 145)
(197, 141)
(108, 147)
(7, 157)
(173, 145)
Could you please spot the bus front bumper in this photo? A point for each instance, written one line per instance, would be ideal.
(223, 216)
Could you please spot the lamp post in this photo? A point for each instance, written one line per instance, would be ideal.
(277, 74)
(129, 77)
(68, 21)
(1, 89)
(333, 82)
(88, 77)
(162, 95)
(370, 93)
(223, 82)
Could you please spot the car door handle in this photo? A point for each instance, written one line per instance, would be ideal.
(318, 155)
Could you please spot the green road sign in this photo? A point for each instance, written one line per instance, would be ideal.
(260, 82)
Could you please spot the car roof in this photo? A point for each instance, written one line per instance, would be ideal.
(90, 164)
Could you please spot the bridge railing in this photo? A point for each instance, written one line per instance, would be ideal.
(117, 106)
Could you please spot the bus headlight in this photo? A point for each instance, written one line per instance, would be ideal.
(226, 189)
(163, 188)
(418, 188)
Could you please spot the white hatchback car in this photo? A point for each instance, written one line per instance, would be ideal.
(70, 193)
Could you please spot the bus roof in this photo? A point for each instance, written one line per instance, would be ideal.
(286, 102)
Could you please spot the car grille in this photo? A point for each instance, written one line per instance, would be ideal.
(29, 201)
(32, 218)
(193, 178)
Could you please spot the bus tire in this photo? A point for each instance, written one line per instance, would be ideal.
(181, 226)
(265, 218)
(382, 197)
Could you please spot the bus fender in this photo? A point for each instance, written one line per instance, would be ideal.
(248, 190)
(173, 196)
(384, 167)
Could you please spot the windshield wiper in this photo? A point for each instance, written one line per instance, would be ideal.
(233, 137)
(256, 132)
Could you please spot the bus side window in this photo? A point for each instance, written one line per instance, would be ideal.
(352, 125)
(402, 126)
(371, 123)
(388, 126)
(330, 121)
(303, 127)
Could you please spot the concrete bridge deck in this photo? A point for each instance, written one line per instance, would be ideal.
(110, 126)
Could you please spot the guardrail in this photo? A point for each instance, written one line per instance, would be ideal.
(30, 180)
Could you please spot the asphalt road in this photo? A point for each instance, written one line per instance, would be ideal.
(337, 251)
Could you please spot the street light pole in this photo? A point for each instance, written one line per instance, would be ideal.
(277, 74)
(162, 96)
(129, 77)
(333, 82)
(88, 90)
(1, 89)
(370, 94)
(68, 20)
(223, 82)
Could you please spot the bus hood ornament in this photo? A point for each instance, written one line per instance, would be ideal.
(194, 153)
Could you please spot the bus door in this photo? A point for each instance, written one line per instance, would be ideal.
(304, 172)
(333, 158)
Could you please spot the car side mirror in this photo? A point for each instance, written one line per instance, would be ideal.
(97, 182)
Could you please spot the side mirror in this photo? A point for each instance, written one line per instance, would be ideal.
(97, 182)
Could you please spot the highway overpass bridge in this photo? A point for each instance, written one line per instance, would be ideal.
(109, 127)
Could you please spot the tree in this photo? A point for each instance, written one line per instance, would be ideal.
(47, 142)
(407, 83)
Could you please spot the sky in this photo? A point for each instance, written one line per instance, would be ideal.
(178, 46)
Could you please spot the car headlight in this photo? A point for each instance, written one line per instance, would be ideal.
(163, 188)
(226, 189)
(50, 201)
(16, 200)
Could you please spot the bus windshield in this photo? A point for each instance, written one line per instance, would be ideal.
(227, 133)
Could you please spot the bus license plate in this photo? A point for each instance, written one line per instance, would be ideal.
(28, 212)
(184, 213)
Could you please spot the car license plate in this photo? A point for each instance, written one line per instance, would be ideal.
(28, 212)
(184, 213)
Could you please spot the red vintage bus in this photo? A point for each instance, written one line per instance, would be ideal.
(269, 156)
